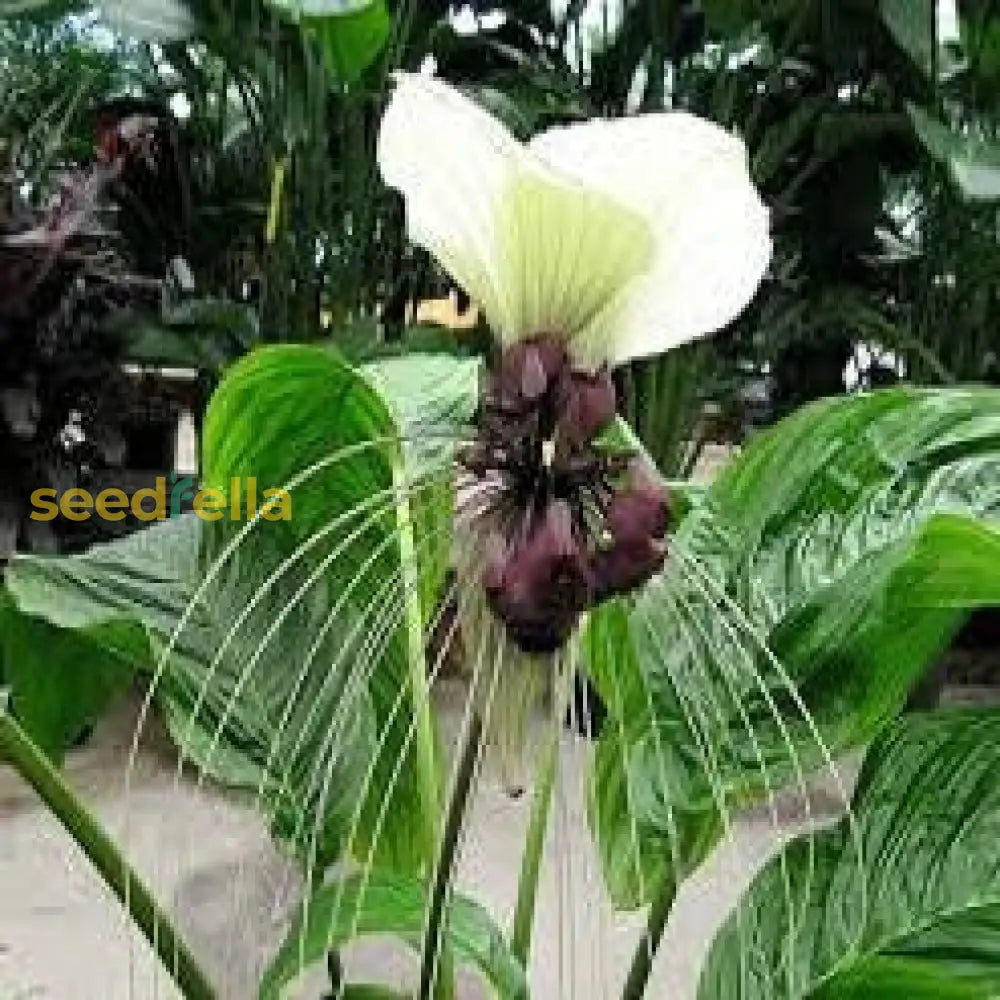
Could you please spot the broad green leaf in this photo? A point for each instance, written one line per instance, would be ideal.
(289, 409)
(973, 160)
(351, 33)
(793, 574)
(279, 413)
(918, 915)
(262, 723)
(390, 904)
(62, 680)
(433, 399)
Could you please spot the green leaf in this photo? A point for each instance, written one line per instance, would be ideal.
(433, 398)
(793, 578)
(61, 681)
(973, 160)
(262, 724)
(279, 413)
(389, 904)
(351, 33)
(367, 991)
(150, 20)
(918, 916)
(912, 25)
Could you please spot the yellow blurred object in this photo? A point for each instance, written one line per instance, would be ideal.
(274, 208)
(444, 312)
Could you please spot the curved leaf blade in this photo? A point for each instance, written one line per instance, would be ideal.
(920, 916)
(390, 904)
(808, 546)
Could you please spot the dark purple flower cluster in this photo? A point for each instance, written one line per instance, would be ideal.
(566, 523)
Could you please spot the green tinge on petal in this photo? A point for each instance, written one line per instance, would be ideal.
(567, 256)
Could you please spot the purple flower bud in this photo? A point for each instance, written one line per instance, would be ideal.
(543, 584)
(588, 406)
(628, 564)
(642, 510)
(638, 518)
(528, 370)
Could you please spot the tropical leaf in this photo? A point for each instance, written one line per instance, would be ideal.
(289, 676)
(351, 33)
(787, 618)
(61, 681)
(229, 697)
(388, 904)
(905, 905)
(912, 25)
(973, 161)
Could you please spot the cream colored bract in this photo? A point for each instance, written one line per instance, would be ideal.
(626, 237)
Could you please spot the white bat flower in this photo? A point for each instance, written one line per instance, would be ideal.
(622, 238)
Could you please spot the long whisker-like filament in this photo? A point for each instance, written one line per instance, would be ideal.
(788, 684)
(380, 819)
(261, 593)
(706, 749)
(683, 605)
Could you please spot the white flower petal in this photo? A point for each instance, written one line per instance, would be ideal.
(451, 160)
(690, 180)
(539, 251)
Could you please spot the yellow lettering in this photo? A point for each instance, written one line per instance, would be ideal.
(209, 504)
(158, 494)
(111, 505)
(76, 504)
(44, 502)
(277, 505)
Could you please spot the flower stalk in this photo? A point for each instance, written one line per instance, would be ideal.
(435, 943)
(541, 804)
(531, 861)
(18, 749)
(426, 744)
(649, 943)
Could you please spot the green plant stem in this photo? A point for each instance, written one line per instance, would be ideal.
(426, 746)
(656, 922)
(531, 861)
(17, 748)
(434, 940)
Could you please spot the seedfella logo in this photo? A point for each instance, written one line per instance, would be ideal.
(159, 502)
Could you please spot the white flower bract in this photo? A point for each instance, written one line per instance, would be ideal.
(625, 237)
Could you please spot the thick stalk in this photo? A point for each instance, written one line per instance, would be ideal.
(545, 778)
(18, 749)
(434, 941)
(642, 960)
(531, 860)
(426, 745)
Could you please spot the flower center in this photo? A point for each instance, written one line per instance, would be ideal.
(562, 522)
